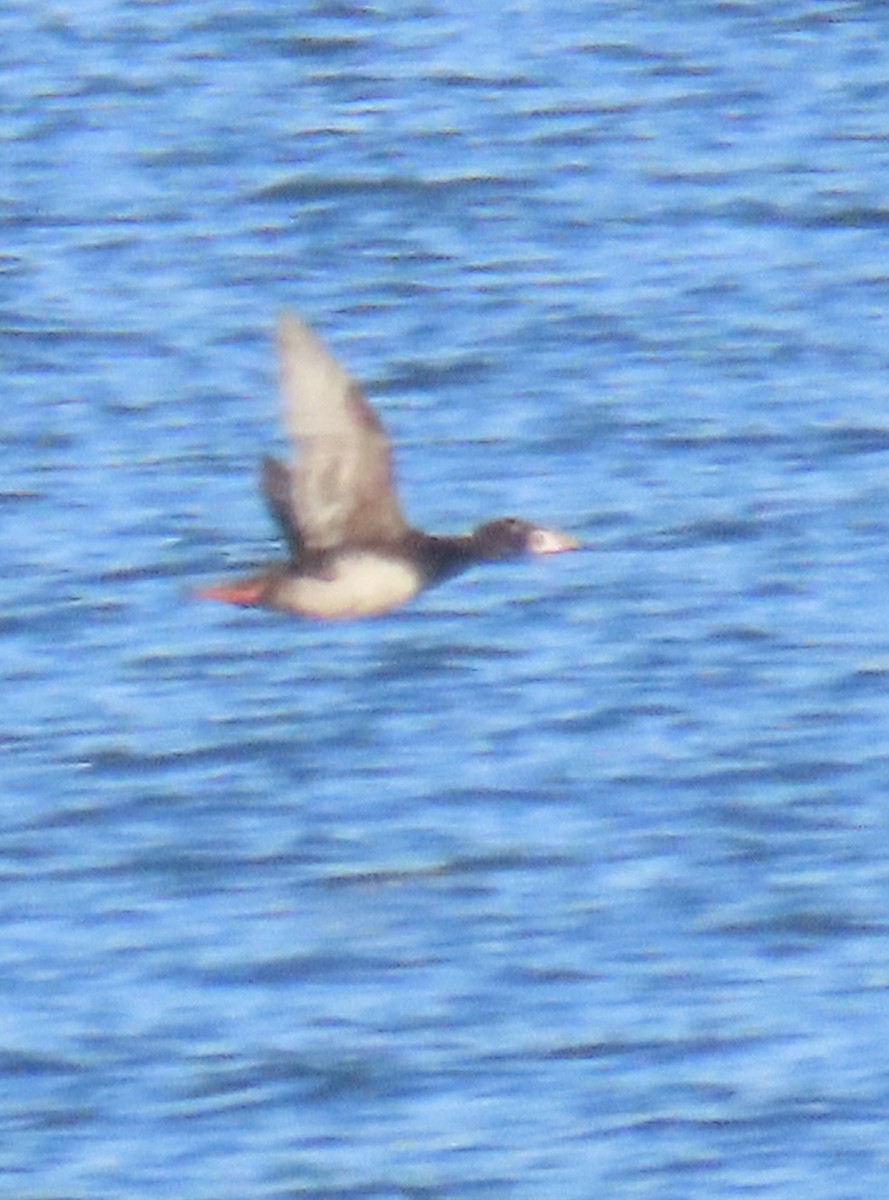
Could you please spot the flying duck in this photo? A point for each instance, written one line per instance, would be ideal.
(351, 552)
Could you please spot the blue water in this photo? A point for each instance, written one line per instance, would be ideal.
(572, 879)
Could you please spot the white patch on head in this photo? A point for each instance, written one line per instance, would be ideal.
(357, 585)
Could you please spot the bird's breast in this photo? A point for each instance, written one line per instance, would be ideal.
(354, 584)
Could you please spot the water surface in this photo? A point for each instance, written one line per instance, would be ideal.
(570, 879)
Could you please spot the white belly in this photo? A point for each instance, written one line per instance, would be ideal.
(360, 585)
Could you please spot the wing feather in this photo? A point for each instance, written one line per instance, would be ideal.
(341, 480)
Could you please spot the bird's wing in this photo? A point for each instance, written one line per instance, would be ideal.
(275, 483)
(341, 482)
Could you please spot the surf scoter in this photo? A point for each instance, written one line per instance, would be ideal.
(352, 553)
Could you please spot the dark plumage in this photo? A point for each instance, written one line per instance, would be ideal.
(352, 553)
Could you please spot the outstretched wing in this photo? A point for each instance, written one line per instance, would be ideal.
(275, 482)
(341, 483)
